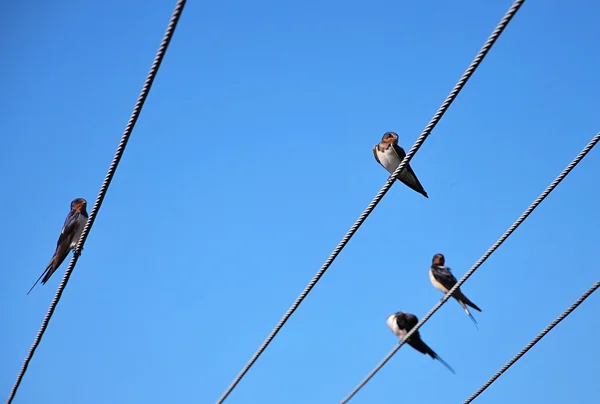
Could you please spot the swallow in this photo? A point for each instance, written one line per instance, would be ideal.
(442, 279)
(389, 155)
(67, 241)
(401, 323)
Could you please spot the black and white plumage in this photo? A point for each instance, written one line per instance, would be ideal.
(389, 154)
(401, 323)
(442, 279)
(67, 241)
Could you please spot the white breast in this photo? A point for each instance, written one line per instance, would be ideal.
(389, 159)
(391, 322)
(436, 284)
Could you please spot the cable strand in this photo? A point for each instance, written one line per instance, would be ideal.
(476, 266)
(530, 345)
(426, 132)
(103, 189)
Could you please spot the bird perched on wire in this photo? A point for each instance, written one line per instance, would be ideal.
(389, 155)
(67, 241)
(401, 323)
(442, 279)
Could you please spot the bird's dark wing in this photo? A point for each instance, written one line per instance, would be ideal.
(417, 343)
(399, 151)
(66, 234)
(411, 321)
(62, 247)
(407, 322)
(407, 175)
(444, 276)
(375, 154)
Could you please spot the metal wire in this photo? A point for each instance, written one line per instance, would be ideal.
(426, 132)
(534, 341)
(103, 189)
(481, 260)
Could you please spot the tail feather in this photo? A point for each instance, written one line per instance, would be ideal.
(464, 302)
(57, 259)
(422, 347)
(44, 275)
(50, 271)
(470, 303)
(443, 362)
(461, 301)
(472, 318)
(460, 296)
(412, 182)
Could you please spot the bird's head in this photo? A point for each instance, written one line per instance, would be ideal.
(390, 137)
(79, 204)
(438, 259)
(396, 314)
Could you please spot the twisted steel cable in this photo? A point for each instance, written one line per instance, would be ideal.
(541, 335)
(481, 260)
(104, 188)
(426, 132)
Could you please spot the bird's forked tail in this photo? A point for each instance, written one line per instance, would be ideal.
(50, 269)
(36, 282)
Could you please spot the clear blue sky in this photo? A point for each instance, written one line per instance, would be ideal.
(250, 161)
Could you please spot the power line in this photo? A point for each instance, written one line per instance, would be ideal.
(534, 341)
(434, 121)
(104, 188)
(485, 256)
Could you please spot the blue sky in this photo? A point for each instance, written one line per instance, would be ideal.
(250, 161)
